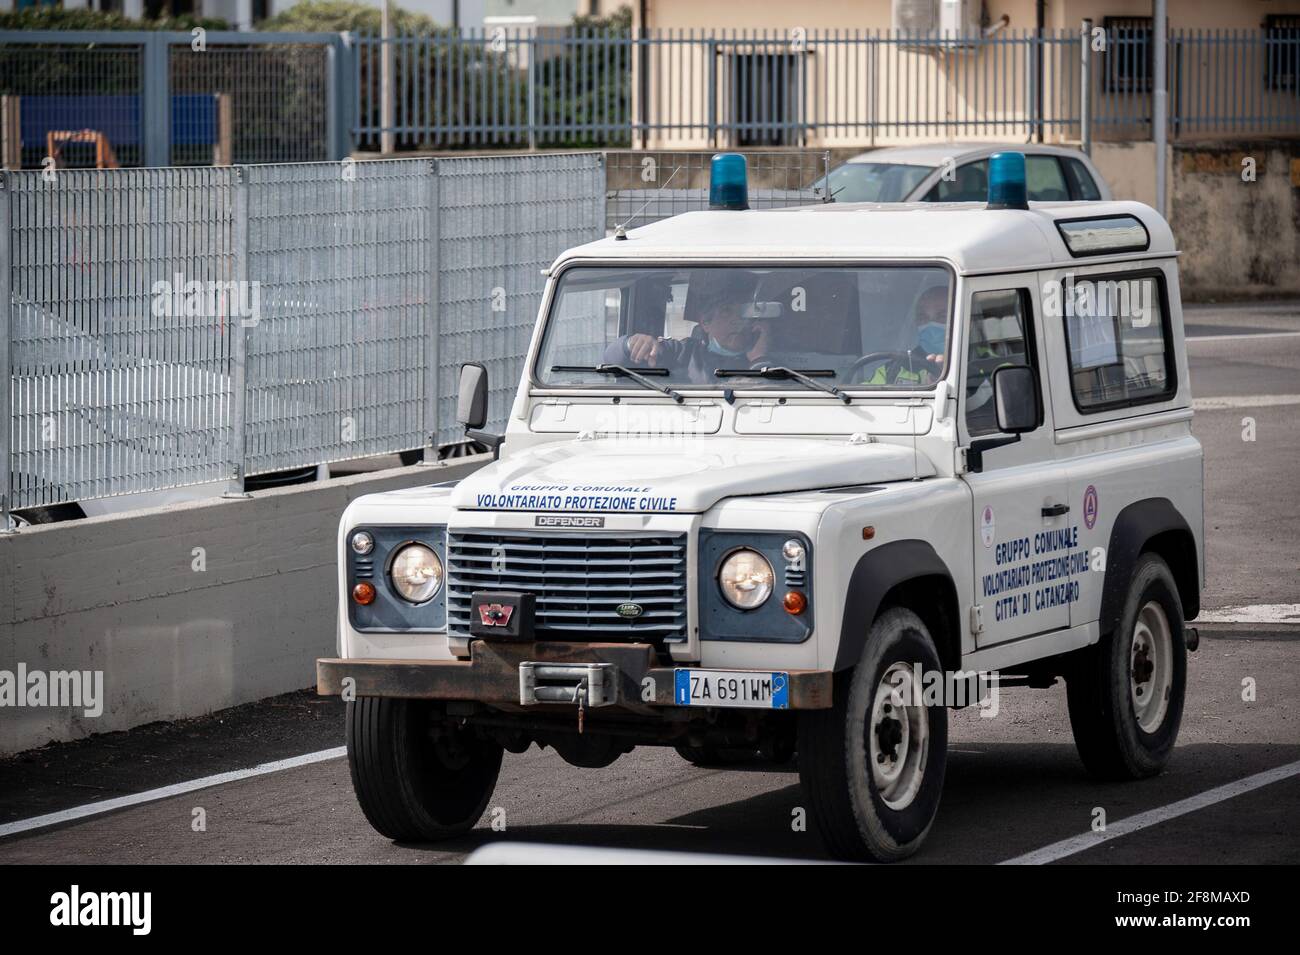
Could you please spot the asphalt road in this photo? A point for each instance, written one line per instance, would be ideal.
(1014, 783)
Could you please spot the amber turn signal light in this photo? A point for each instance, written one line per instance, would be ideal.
(795, 602)
(364, 593)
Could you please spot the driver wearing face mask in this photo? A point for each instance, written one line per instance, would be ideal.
(923, 362)
(724, 337)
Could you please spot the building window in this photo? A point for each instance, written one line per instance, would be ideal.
(766, 96)
(1130, 54)
(1282, 52)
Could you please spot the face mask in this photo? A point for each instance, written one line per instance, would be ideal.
(717, 349)
(930, 337)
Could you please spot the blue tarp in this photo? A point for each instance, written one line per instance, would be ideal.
(194, 118)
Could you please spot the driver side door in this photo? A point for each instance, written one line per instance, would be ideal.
(1019, 498)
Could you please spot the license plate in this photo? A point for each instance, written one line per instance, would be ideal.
(732, 688)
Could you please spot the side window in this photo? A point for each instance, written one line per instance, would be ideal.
(1000, 333)
(969, 184)
(1118, 340)
(1044, 180)
(1084, 186)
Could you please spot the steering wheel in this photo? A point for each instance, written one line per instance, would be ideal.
(875, 357)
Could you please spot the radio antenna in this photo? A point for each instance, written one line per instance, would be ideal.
(620, 230)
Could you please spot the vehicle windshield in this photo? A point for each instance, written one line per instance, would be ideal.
(872, 181)
(867, 328)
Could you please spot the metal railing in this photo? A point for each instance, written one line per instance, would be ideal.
(170, 327)
(694, 89)
(155, 98)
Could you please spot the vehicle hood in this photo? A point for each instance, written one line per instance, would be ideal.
(677, 475)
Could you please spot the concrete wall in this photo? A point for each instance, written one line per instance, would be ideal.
(1238, 238)
(122, 595)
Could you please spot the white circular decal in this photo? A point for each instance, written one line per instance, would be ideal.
(986, 526)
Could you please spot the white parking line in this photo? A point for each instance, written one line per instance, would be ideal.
(1243, 401)
(1143, 820)
(1252, 613)
(166, 792)
(1244, 336)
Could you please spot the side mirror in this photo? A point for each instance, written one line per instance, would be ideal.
(1015, 394)
(472, 401)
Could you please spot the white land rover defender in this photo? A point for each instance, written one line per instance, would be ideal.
(764, 474)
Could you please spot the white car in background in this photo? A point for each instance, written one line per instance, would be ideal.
(916, 174)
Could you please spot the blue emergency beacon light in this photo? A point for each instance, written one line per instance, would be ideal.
(729, 182)
(1007, 181)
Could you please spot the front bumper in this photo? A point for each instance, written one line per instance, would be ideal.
(492, 676)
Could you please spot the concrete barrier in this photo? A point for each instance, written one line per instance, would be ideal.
(183, 610)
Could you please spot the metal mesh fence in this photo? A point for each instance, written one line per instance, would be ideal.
(501, 221)
(78, 102)
(644, 186)
(177, 326)
(335, 360)
(269, 101)
(119, 382)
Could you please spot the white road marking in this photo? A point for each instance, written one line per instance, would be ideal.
(1243, 401)
(1253, 613)
(1143, 820)
(1244, 336)
(166, 792)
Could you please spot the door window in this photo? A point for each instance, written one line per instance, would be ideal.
(1000, 333)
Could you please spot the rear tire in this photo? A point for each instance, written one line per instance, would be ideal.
(872, 772)
(417, 781)
(1126, 693)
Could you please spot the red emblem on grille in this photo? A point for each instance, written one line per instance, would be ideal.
(495, 615)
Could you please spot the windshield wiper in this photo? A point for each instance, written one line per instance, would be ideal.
(804, 376)
(638, 376)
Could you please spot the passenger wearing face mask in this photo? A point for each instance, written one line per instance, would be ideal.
(923, 362)
(723, 337)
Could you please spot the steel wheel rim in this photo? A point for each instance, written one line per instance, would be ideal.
(898, 737)
(1151, 667)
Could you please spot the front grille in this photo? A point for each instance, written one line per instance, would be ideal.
(579, 581)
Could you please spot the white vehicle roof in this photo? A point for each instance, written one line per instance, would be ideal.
(974, 239)
(935, 154)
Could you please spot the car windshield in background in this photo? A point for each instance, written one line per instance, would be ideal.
(883, 327)
(873, 181)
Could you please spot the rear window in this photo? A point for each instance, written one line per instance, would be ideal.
(1117, 334)
(1044, 180)
(1084, 186)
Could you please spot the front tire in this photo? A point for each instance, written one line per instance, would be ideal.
(872, 771)
(417, 780)
(1126, 693)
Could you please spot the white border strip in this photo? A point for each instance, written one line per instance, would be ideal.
(177, 789)
(1143, 820)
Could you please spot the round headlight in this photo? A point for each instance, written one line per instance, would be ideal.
(746, 579)
(362, 543)
(416, 573)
